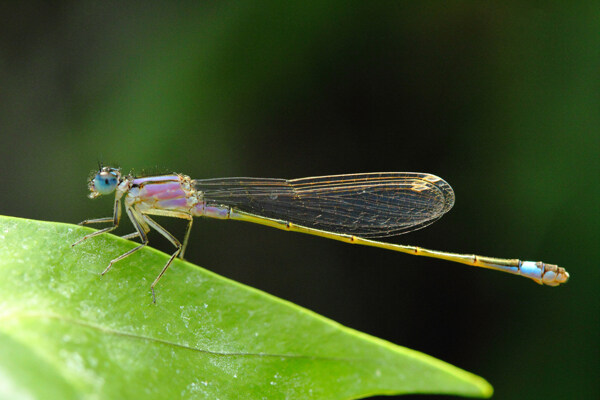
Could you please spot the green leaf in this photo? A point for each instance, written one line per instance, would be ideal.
(66, 332)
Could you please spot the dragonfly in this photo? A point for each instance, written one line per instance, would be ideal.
(351, 208)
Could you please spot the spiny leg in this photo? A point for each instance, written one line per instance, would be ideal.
(100, 232)
(140, 232)
(96, 221)
(115, 220)
(162, 273)
(171, 239)
(174, 214)
(187, 237)
(130, 235)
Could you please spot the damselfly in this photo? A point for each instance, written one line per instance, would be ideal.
(353, 208)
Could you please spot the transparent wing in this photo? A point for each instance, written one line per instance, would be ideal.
(368, 205)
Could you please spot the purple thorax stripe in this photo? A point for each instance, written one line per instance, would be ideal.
(173, 204)
(162, 191)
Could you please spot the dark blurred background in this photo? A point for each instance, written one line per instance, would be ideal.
(501, 100)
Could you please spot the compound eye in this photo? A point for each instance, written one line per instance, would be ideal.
(105, 182)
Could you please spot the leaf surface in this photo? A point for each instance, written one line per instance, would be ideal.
(66, 332)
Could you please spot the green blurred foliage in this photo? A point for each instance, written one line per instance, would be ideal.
(501, 100)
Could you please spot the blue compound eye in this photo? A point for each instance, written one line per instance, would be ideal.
(105, 182)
